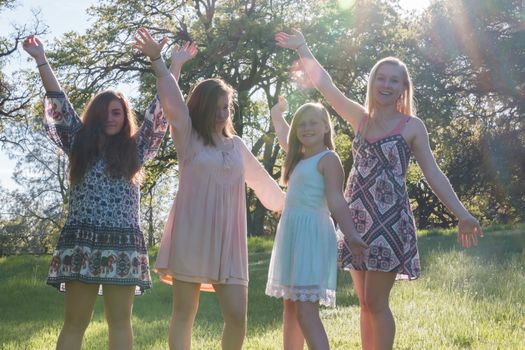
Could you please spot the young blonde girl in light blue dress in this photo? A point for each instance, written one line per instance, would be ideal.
(303, 266)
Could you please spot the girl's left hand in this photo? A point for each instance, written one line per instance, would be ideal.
(184, 53)
(281, 106)
(469, 229)
(147, 45)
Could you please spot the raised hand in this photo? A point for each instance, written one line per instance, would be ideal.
(280, 107)
(290, 41)
(34, 48)
(469, 229)
(184, 53)
(147, 45)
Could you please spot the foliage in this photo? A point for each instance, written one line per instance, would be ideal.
(475, 299)
(466, 60)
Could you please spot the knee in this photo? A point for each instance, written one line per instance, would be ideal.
(184, 309)
(77, 323)
(118, 320)
(236, 316)
(373, 305)
(305, 314)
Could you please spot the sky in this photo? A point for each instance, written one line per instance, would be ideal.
(71, 16)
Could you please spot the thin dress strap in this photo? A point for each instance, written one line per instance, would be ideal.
(401, 126)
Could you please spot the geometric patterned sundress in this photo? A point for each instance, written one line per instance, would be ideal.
(378, 200)
(101, 241)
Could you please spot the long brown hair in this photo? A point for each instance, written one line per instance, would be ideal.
(203, 103)
(295, 148)
(119, 151)
(405, 104)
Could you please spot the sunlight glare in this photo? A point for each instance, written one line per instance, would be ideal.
(345, 4)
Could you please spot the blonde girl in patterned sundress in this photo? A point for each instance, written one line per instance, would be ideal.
(101, 246)
(303, 266)
(387, 132)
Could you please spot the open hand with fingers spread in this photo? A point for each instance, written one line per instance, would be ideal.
(34, 48)
(290, 41)
(147, 45)
(184, 53)
(469, 230)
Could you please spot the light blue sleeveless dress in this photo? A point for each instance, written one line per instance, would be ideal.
(303, 266)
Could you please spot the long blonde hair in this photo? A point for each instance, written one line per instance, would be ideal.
(295, 148)
(405, 104)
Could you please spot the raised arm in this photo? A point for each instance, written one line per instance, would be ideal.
(279, 123)
(351, 111)
(468, 226)
(167, 87)
(180, 55)
(332, 169)
(35, 49)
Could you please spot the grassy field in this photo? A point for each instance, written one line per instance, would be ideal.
(465, 299)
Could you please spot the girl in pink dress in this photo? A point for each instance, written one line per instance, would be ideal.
(204, 240)
(387, 134)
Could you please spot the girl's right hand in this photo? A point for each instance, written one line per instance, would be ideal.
(34, 48)
(147, 45)
(357, 247)
(290, 41)
(184, 53)
(281, 106)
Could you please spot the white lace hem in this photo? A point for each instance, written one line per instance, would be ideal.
(325, 296)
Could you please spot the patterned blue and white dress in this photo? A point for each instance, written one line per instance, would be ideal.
(101, 241)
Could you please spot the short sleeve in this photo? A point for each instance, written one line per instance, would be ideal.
(151, 132)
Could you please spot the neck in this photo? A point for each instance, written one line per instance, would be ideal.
(310, 151)
(382, 113)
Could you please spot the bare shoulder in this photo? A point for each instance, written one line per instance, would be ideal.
(414, 130)
(330, 160)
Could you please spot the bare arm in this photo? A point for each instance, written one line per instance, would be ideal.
(279, 123)
(173, 104)
(332, 169)
(468, 226)
(180, 55)
(350, 110)
(35, 49)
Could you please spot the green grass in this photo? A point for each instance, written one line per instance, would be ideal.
(465, 299)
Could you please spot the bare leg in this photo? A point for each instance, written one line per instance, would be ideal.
(377, 293)
(293, 338)
(118, 303)
(78, 310)
(185, 305)
(311, 325)
(367, 341)
(233, 300)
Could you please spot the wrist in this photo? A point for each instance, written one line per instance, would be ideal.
(155, 58)
(41, 61)
(301, 45)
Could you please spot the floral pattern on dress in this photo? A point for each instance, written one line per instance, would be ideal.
(101, 242)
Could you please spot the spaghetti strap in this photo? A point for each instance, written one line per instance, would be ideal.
(362, 124)
(399, 128)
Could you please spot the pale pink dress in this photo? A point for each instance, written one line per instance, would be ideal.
(204, 238)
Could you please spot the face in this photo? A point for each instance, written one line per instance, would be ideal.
(223, 112)
(311, 130)
(115, 119)
(388, 84)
